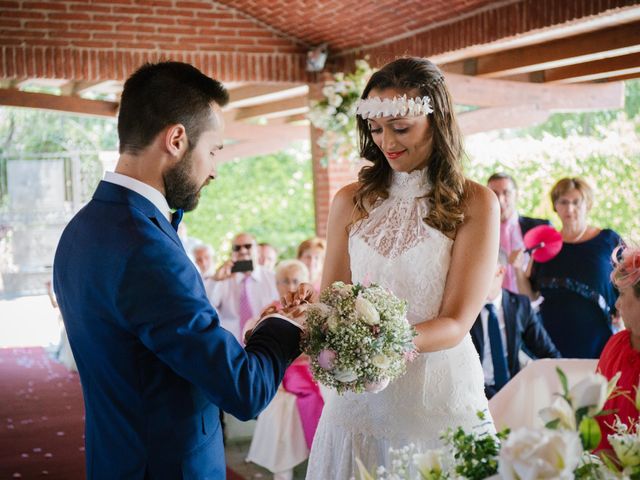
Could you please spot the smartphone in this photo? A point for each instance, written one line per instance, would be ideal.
(242, 266)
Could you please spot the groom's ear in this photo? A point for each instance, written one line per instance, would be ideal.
(175, 140)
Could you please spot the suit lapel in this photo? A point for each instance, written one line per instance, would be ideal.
(110, 192)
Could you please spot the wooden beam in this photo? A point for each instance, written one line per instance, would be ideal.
(16, 98)
(487, 92)
(486, 119)
(256, 90)
(622, 78)
(288, 104)
(600, 69)
(251, 140)
(609, 42)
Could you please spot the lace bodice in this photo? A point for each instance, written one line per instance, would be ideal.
(394, 247)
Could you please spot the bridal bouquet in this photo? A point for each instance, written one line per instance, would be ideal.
(358, 338)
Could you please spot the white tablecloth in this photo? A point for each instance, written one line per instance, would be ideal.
(517, 404)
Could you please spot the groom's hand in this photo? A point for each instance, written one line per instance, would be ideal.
(294, 304)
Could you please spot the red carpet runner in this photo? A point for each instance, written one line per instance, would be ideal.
(41, 418)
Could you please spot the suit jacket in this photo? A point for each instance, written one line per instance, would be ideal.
(523, 330)
(527, 223)
(154, 363)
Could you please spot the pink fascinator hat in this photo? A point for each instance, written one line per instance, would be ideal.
(543, 243)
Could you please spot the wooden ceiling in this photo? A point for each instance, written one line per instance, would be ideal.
(518, 79)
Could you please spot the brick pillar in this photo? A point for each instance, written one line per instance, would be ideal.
(327, 178)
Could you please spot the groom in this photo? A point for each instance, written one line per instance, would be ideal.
(155, 364)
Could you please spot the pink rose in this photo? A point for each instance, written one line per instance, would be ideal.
(375, 387)
(326, 359)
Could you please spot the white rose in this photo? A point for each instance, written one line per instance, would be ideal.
(537, 454)
(428, 463)
(590, 392)
(335, 101)
(381, 361)
(559, 410)
(333, 322)
(627, 448)
(328, 90)
(345, 375)
(366, 311)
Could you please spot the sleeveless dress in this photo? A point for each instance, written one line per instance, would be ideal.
(396, 249)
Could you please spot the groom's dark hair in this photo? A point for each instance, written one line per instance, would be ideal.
(162, 94)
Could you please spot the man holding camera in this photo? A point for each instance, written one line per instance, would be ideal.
(240, 289)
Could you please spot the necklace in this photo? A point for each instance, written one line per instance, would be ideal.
(577, 237)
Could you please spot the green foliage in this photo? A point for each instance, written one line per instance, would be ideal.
(476, 456)
(609, 162)
(25, 130)
(270, 197)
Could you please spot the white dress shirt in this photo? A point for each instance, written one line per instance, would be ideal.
(487, 361)
(147, 191)
(225, 297)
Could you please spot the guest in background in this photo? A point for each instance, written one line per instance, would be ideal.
(188, 243)
(579, 299)
(513, 226)
(267, 256)
(507, 324)
(622, 351)
(241, 295)
(203, 256)
(285, 429)
(311, 252)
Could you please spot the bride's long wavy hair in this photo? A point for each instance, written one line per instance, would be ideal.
(417, 77)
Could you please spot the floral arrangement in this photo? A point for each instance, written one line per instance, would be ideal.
(562, 450)
(335, 114)
(358, 338)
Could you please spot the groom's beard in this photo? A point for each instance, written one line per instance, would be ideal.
(180, 189)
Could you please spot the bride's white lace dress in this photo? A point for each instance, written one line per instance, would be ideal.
(395, 248)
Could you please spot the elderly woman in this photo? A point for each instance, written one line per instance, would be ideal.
(622, 351)
(311, 253)
(579, 299)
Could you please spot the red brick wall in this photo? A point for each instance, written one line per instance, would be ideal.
(488, 24)
(108, 39)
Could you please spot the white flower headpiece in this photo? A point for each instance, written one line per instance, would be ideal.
(398, 107)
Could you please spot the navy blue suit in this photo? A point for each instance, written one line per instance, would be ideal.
(154, 363)
(527, 223)
(523, 329)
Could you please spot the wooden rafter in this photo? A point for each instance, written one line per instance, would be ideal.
(252, 90)
(598, 70)
(16, 98)
(281, 106)
(487, 92)
(619, 40)
(486, 119)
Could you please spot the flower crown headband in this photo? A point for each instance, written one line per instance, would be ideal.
(398, 107)
(626, 263)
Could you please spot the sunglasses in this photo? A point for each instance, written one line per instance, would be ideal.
(246, 246)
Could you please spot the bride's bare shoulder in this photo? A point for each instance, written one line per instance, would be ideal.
(343, 207)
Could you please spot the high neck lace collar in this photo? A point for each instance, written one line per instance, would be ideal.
(415, 183)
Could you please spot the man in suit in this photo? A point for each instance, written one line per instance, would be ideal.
(505, 325)
(154, 363)
(512, 226)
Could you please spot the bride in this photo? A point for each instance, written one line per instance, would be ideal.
(414, 224)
